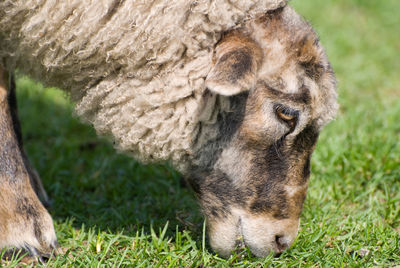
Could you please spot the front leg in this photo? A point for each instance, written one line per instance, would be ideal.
(34, 177)
(24, 222)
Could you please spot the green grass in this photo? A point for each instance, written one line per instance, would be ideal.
(111, 211)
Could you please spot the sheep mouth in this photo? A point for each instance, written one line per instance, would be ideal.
(240, 247)
(243, 249)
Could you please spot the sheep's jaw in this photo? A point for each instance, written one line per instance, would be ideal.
(254, 193)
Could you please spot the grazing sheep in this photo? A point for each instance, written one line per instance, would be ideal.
(233, 93)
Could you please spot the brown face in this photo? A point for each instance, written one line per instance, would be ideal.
(274, 92)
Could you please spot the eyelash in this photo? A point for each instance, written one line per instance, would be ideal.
(286, 115)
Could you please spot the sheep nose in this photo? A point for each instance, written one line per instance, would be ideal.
(281, 243)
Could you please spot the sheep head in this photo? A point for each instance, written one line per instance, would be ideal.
(272, 90)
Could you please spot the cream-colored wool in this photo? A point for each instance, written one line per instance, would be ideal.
(135, 68)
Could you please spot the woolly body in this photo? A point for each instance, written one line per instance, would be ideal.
(136, 69)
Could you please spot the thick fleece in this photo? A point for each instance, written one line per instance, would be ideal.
(135, 68)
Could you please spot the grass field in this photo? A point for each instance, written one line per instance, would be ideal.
(110, 211)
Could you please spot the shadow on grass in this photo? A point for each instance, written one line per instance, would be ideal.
(87, 180)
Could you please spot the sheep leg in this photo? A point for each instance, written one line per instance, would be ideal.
(33, 174)
(24, 222)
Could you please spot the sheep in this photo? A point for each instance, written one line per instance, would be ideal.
(232, 93)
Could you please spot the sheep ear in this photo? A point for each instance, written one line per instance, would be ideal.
(235, 71)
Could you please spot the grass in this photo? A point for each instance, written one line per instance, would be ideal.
(110, 211)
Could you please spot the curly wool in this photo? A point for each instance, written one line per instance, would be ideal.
(135, 68)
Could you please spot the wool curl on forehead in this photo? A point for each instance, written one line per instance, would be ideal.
(134, 68)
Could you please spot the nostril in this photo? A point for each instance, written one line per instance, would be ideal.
(281, 243)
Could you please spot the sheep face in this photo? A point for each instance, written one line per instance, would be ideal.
(274, 90)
